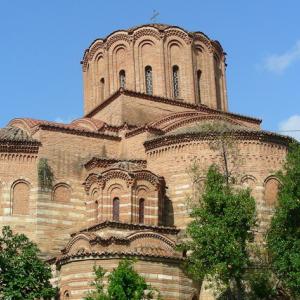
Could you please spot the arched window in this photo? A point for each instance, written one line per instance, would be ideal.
(62, 193)
(116, 209)
(122, 79)
(199, 73)
(141, 210)
(218, 94)
(101, 89)
(20, 198)
(148, 80)
(271, 191)
(95, 197)
(175, 74)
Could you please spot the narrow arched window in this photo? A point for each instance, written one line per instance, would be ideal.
(148, 80)
(116, 209)
(122, 79)
(199, 73)
(20, 198)
(217, 82)
(175, 75)
(102, 86)
(218, 92)
(141, 210)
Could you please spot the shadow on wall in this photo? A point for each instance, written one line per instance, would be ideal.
(169, 212)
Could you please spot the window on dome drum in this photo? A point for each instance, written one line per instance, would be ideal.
(122, 79)
(141, 210)
(148, 80)
(218, 92)
(175, 74)
(102, 86)
(199, 73)
(116, 209)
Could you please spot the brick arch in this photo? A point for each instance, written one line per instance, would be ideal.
(99, 54)
(179, 33)
(94, 48)
(163, 241)
(121, 53)
(20, 197)
(146, 32)
(271, 188)
(116, 37)
(85, 237)
(174, 41)
(178, 120)
(61, 192)
(115, 189)
(118, 174)
(248, 179)
(91, 180)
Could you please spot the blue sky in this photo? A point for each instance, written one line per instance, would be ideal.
(42, 43)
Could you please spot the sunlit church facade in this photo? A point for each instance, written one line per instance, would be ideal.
(114, 184)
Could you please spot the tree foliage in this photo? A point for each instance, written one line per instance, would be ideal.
(124, 283)
(222, 219)
(23, 275)
(45, 174)
(283, 239)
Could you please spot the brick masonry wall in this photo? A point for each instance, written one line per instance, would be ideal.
(166, 277)
(146, 46)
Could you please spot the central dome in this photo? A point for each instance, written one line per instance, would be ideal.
(158, 60)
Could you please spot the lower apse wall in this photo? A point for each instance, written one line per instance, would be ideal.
(75, 277)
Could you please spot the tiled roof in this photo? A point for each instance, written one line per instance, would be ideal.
(13, 134)
(116, 254)
(74, 127)
(130, 226)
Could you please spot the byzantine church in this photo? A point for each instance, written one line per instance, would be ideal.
(115, 183)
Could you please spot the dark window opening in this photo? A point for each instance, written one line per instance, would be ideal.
(122, 79)
(175, 81)
(116, 209)
(199, 73)
(148, 80)
(141, 210)
(102, 85)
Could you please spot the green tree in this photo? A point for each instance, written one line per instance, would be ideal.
(124, 283)
(283, 238)
(222, 219)
(23, 275)
(98, 293)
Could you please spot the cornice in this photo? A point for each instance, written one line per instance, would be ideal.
(159, 31)
(19, 147)
(129, 226)
(262, 136)
(81, 132)
(65, 259)
(103, 162)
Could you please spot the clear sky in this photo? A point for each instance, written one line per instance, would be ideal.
(42, 43)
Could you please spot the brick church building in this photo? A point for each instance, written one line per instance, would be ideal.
(114, 183)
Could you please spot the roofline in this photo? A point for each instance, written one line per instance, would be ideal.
(266, 136)
(154, 98)
(131, 30)
(79, 132)
(130, 226)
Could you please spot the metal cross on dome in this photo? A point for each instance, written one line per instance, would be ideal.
(154, 16)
